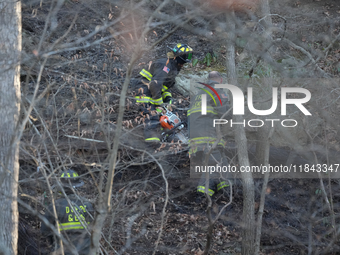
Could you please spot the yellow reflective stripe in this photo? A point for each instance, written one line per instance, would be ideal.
(202, 189)
(166, 94)
(213, 112)
(211, 142)
(192, 150)
(69, 175)
(146, 74)
(199, 107)
(142, 99)
(156, 101)
(152, 139)
(210, 109)
(204, 138)
(222, 185)
(201, 140)
(71, 225)
(164, 88)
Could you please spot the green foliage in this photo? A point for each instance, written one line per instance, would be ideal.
(215, 54)
(210, 59)
(194, 62)
(207, 59)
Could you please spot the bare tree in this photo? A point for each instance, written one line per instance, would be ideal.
(10, 50)
(248, 226)
(264, 133)
(79, 103)
(134, 30)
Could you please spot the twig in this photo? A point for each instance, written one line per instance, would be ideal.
(323, 189)
(43, 219)
(263, 197)
(324, 74)
(328, 47)
(104, 203)
(284, 31)
(266, 49)
(212, 221)
(165, 205)
(54, 208)
(85, 139)
(331, 244)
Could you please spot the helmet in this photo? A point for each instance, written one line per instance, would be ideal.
(183, 51)
(73, 177)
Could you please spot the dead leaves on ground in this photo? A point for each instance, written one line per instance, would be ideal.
(127, 123)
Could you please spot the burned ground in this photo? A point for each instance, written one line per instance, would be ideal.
(74, 123)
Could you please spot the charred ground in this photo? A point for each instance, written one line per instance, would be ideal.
(81, 89)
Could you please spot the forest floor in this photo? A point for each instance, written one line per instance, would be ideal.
(139, 193)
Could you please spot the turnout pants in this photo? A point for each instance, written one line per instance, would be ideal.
(152, 128)
(217, 180)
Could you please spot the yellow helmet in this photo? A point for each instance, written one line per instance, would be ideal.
(74, 178)
(183, 51)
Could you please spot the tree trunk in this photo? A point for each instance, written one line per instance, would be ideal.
(263, 133)
(264, 154)
(265, 11)
(262, 144)
(248, 232)
(10, 48)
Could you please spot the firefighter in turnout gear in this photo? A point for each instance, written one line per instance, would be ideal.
(73, 217)
(154, 83)
(203, 134)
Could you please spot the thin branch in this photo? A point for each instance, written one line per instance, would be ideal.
(322, 186)
(329, 47)
(324, 74)
(85, 139)
(263, 197)
(163, 221)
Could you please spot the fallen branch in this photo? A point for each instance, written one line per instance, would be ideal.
(85, 139)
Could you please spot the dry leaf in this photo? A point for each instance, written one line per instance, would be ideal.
(70, 107)
(153, 206)
(199, 252)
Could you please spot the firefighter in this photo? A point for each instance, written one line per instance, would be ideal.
(203, 135)
(73, 217)
(153, 87)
